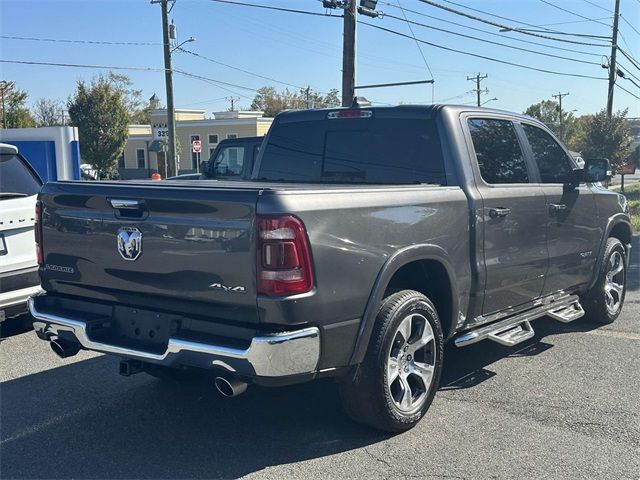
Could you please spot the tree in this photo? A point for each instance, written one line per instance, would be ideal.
(548, 112)
(14, 111)
(605, 137)
(99, 110)
(47, 113)
(272, 102)
(138, 109)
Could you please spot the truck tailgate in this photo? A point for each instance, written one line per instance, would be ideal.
(152, 244)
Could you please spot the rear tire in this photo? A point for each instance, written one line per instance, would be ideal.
(395, 384)
(603, 303)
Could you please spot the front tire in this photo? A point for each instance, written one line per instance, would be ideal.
(395, 385)
(603, 303)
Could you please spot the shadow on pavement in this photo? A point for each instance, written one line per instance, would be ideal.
(85, 421)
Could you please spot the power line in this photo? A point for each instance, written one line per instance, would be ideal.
(514, 29)
(598, 6)
(574, 13)
(572, 22)
(508, 19)
(238, 69)
(625, 90)
(491, 59)
(280, 9)
(92, 42)
(628, 56)
(492, 42)
(78, 65)
(627, 71)
(629, 23)
(417, 43)
(486, 32)
(213, 80)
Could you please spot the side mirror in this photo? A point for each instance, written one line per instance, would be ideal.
(596, 170)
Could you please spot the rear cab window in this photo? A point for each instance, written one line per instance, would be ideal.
(355, 150)
(498, 152)
(16, 178)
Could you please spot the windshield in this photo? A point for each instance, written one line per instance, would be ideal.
(16, 178)
(347, 150)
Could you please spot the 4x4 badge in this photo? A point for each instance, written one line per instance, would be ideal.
(129, 243)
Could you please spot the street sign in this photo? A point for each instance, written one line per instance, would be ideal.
(160, 133)
(196, 146)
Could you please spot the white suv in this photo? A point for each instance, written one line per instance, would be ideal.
(19, 186)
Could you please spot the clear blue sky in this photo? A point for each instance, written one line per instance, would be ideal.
(306, 50)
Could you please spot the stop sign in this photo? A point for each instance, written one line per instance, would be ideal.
(196, 146)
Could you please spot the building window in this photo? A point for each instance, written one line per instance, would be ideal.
(121, 161)
(140, 157)
(211, 150)
(232, 135)
(213, 139)
(195, 157)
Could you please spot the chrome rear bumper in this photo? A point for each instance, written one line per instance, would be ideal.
(277, 355)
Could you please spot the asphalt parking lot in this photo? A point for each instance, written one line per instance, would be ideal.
(564, 405)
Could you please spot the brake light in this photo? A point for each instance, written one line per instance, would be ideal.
(355, 113)
(38, 233)
(284, 258)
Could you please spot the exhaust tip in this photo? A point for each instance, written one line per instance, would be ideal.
(230, 387)
(63, 349)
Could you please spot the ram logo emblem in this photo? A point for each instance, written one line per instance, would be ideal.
(129, 243)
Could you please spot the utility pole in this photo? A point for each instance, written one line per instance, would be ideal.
(478, 78)
(5, 89)
(349, 53)
(232, 100)
(612, 63)
(168, 78)
(559, 97)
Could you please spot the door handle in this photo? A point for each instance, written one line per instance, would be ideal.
(126, 204)
(499, 212)
(557, 208)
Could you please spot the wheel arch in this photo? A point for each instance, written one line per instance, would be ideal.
(618, 226)
(424, 268)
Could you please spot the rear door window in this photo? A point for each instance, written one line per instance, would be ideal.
(553, 162)
(498, 152)
(362, 150)
(16, 178)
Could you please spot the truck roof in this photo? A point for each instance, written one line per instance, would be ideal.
(399, 111)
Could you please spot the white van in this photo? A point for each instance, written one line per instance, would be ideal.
(19, 187)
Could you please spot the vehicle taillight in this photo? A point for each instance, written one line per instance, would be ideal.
(38, 233)
(284, 259)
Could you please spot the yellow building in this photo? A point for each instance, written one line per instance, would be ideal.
(144, 151)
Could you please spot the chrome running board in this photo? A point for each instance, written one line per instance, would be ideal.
(567, 314)
(517, 329)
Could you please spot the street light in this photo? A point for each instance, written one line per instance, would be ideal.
(490, 100)
(177, 47)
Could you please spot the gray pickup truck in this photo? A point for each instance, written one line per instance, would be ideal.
(365, 239)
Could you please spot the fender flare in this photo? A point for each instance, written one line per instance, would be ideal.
(392, 265)
(613, 221)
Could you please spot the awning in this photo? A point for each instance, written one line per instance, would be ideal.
(155, 146)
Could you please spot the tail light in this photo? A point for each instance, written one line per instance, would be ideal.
(284, 258)
(38, 233)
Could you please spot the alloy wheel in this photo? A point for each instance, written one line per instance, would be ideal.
(614, 283)
(411, 363)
